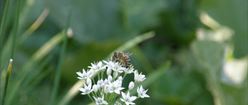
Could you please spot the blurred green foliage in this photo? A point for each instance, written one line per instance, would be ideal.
(233, 14)
(102, 26)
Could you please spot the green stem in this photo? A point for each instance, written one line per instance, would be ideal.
(58, 71)
(15, 29)
(2, 27)
(9, 71)
(91, 98)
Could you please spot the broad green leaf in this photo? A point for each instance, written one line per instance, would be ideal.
(141, 14)
(91, 20)
(179, 87)
(98, 20)
(210, 56)
(234, 14)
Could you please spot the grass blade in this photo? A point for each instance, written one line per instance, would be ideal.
(38, 71)
(9, 71)
(58, 71)
(67, 33)
(15, 29)
(71, 93)
(38, 22)
(38, 56)
(147, 66)
(3, 28)
(135, 41)
(9, 47)
(3, 22)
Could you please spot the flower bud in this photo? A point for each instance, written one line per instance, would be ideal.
(131, 85)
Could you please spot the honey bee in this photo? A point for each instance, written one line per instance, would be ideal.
(122, 58)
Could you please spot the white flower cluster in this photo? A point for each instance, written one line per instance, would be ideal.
(104, 83)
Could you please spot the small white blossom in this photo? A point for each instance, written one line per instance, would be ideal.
(127, 99)
(109, 79)
(115, 74)
(100, 101)
(114, 66)
(97, 66)
(88, 81)
(87, 87)
(100, 83)
(139, 77)
(85, 90)
(95, 88)
(114, 87)
(120, 79)
(142, 92)
(129, 70)
(131, 85)
(117, 103)
(85, 74)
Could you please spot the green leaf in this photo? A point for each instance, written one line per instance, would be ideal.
(210, 56)
(234, 14)
(140, 14)
(94, 20)
(180, 88)
(98, 20)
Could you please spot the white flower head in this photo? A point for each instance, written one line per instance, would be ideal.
(142, 92)
(127, 99)
(100, 101)
(139, 77)
(104, 79)
(85, 74)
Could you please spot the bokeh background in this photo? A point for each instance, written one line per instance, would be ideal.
(194, 52)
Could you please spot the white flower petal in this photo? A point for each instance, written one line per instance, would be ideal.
(139, 77)
(142, 92)
(127, 99)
